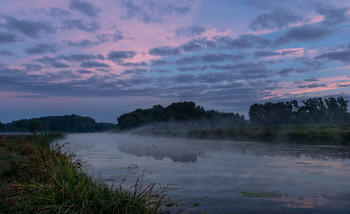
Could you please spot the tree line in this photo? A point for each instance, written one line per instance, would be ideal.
(67, 123)
(312, 111)
(178, 111)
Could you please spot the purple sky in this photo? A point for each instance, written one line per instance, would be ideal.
(108, 57)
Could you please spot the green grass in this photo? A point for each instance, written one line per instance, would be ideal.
(35, 178)
(303, 134)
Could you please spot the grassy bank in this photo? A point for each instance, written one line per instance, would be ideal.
(300, 134)
(306, 134)
(35, 178)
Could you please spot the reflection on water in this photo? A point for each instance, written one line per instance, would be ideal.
(210, 176)
(185, 150)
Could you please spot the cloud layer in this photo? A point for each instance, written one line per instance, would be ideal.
(219, 57)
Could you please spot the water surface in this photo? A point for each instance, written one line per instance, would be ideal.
(218, 177)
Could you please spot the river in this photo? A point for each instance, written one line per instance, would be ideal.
(205, 176)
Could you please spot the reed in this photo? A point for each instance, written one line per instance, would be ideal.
(37, 178)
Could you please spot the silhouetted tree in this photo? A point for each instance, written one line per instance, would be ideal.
(180, 111)
(313, 111)
(35, 125)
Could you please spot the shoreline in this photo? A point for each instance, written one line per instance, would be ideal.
(36, 177)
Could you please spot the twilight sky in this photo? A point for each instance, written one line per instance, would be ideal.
(108, 57)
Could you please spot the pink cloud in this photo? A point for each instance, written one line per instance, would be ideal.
(325, 84)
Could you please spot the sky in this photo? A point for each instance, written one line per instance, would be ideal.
(109, 57)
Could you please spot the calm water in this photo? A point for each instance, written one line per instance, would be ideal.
(210, 176)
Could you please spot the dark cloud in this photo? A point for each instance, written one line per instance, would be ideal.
(164, 51)
(127, 64)
(276, 19)
(58, 12)
(214, 77)
(343, 85)
(159, 62)
(41, 49)
(8, 74)
(343, 56)
(63, 75)
(100, 57)
(259, 54)
(84, 7)
(83, 71)
(209, 58)
(78, 57)
(155, 10)
(188, 60)
(115, 37)
(314, 85)
(135, 71)
(229, 67)
(33, 67)
(311, 80)
(194, 68)
(255, 73)
(308, 63)
(81, 44)
(94, 64)
(305, 33)
(244, 41)
(90, 27)
(190, 31)
(52, 62)
(118, 56)
(4, 52)
(160, 70)
(193, 45)
(103, 70)
(101, 38)
(197, 45)
(183, 78)
(285, 71)
(246, 70)
(7, 38)
(331, 14)
(31, 29)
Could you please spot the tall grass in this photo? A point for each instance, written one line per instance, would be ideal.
(38, 179)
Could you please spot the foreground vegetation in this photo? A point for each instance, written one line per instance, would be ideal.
(35, 178)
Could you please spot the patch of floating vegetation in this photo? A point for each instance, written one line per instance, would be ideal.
(274, 194)
(306, 163)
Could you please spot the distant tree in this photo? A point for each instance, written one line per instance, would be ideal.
(20, 124)
(337, 109)
(179, 111)
(314, 110)
(35, 125)
(256, 114)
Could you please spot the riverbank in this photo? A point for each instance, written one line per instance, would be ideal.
(37, 178)
(298, 134)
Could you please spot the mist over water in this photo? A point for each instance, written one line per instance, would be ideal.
(210, 176)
